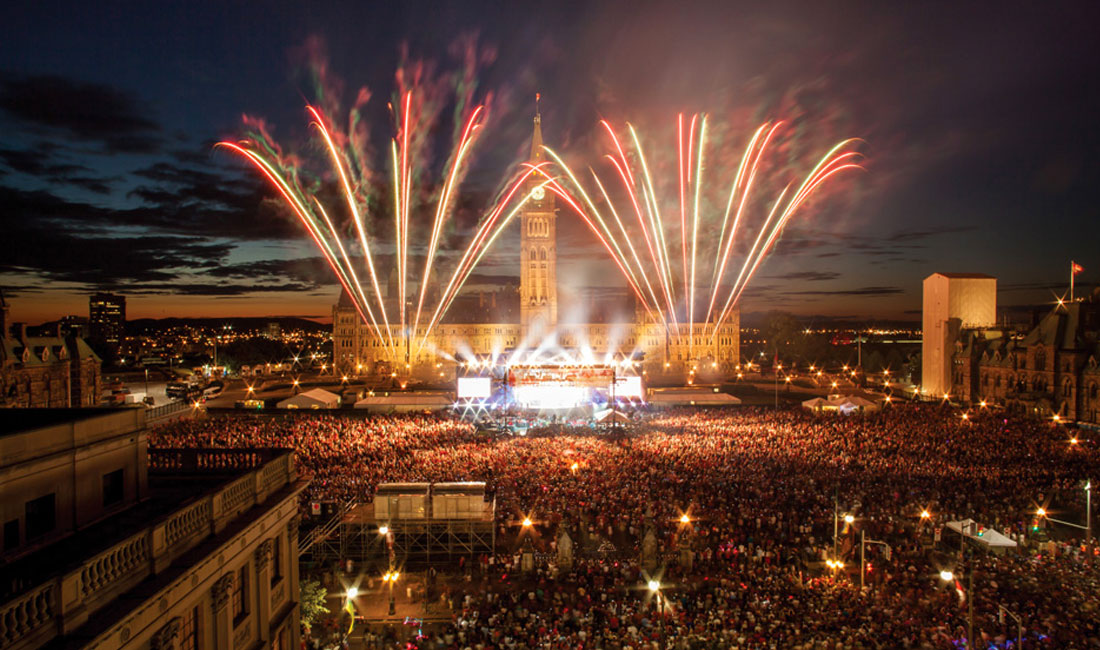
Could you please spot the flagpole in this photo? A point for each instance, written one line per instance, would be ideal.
(1072, 273)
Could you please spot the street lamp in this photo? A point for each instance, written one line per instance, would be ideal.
(1088, 509)
(390, 578)
(655, 589)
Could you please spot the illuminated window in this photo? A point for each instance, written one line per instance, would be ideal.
(189, 630)
(240, 595)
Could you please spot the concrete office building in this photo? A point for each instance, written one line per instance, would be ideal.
(952, 302)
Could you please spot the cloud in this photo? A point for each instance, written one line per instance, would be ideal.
(219, 201)
(38, 163)
(807, 276)
(311, 271)
(863, 291)
(916, 235)
(84, 111)
(66, 241)
(220, 289)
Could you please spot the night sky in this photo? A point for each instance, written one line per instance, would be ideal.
(979, 121)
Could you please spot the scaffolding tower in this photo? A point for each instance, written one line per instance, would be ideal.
(425, 528)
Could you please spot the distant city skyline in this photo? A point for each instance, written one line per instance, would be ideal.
(980, 152)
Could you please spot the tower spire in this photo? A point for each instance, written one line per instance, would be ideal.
(536, 137)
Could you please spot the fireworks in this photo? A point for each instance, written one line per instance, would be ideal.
(642, 243)
(397, 326)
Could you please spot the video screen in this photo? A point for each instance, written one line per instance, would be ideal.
(474, 387)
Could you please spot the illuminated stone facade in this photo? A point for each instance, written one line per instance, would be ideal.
(357, 350)
(1051, 369)
(46, 371)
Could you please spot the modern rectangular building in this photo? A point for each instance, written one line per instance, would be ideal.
(110, 544)
(952, 302)
(107, 319)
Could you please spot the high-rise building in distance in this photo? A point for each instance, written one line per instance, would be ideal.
(952, 302)
(107, 319)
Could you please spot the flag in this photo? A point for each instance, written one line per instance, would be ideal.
(1077, 268)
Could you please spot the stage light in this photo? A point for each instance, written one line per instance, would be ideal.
(383, 530)
(947, 576)
(654, 585)
(527, 522)
(924, 514)
(684, 519)
(849, 519)
(352, 592)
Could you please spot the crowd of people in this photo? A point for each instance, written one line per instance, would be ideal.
(752, 565)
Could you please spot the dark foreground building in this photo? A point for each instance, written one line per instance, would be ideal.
(109, 544)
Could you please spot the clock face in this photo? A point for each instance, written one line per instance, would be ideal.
(538, 193)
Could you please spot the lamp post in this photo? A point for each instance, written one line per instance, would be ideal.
(863, 542)
(655, 589)
(1088, 509)
(390, 578)
(836, 519)
(948, 576)
(1002, 610)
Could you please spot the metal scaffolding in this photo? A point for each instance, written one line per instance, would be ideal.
(417, 542)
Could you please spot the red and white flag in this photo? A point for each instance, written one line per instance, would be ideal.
(1076, 268)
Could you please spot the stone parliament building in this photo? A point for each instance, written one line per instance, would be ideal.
(357, 351)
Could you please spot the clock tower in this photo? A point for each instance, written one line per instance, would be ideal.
(538, 286)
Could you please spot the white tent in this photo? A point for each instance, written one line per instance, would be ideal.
(815, 404)
(989, 539)
(315, 398)
(693, 397)
(401, 402)
(843, 403)
(612, 417)
(865, 404)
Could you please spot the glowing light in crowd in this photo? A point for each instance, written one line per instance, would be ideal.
(654, 585)
(684, 519)
(664, 258)
(947, 576)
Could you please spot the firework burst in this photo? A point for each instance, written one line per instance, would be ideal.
(665, 257)
(402, 327)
